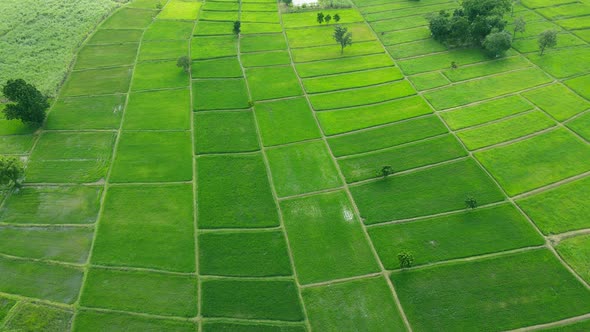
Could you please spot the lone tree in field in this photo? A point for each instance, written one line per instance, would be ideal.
(320, 18)
(342, 37)
(497, 43)
(237, 27)
(547, 38)
(185, 63)
(406, 259)
(328, 18)
(12, 171)
(336, 18)
(26, 103)
(385, 171)
(519, 26)
(470, 202)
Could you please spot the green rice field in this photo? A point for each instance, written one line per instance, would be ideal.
(247, 193)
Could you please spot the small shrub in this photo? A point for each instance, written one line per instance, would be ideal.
(406, 259)
(12, 172)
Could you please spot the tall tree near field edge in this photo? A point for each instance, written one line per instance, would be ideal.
(26, 103)
(11, 171)
(547, 38)
(342, 37)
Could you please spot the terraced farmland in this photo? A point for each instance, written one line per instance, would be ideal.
(245, 194)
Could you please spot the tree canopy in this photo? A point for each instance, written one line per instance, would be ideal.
(11, 171)
(342, 37)
(26, 103)
(547, 38)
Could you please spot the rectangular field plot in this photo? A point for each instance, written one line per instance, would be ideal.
(221, 6)
(40, 280)
(486, 68)
(431, 80)
(255, 28)
(138, 228)
(225, 131)
(366, 166)
(266, 42)
(249, 203)
(305, 19)
(213, 47)
(434, 190)
(371, 15)
(168, 30)
(71, 157)
(251, 299)
(537, 161)
(115, 36)
(16, 144)
(574, 23)
(52, 205)
(511, 291)
(532, 44)
(32, 317)
(97, 82)
(361, 96)
(421, 47)
(144, 4)
(386, 136)
(163, 50)
(343, 65)
(581, 126)
(284, 82)
(442, 61)
(334, 52)
(580, 85)
(260, 17)
(214, 15)
(505, 130)
(273, 117)
(326, 238)
(265, 59)
(485, 112)
(561, 209)
(144, 292)
(400, 23)
(95, 321)
(180, 10)
(211, 326)
(584, 34)
(576, 252)
(259, 7)
(246, 254)
(130, 18)
(565, 11)
(153, 157)
(95, 56)
(217, 68)
(488, 87)
(294, 168)
(469, 233)
(404, 36)
(340, 121)
(558, 101)
(101, 112)
(220, 94)
(213, 28)
(352, 80)
(563, 62)
(322, 35)
(360, 305)
(166, 109)
(159, 75)
(67, 244)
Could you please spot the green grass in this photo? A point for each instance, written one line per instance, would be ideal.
(543, 3)
(576, 252)
(246, 254)
(442, 61)
(427, 81)
(340, 121)
(141, 291)
(387, 136)
(399, 23)
(404, 36)
(352, 80)
(259, 7)
(511, 291)
(575, 23)
(568, 10)
(40, 280)
(478, 232)
(266, 59)
(249, 204)
(163, 50)
(211, 326)
(488, 87)
(536, 161)
(52, 205)
(180, 10)
(284, 82)
(115, 36)
(213, 47)
(322, 35)
(366, 166)
(361, 96)
(140, 229)
(563, 62)
(486, 68)
(217, 68)
(102, 112)
(76, 157)
(558, 101)
(33, 317)
(221, 6)
(153, 157)
(273, 117)
(214, 28)
(373, 15)
(168, 30)
(165, 110)
(5, 306)
(66, 244)
(434, 190)
(229, 16)
(421, 47)
(359, 305)
(217, 132)
(145, 4)
(97, 82)
(326, 238)
(584, 34)
(343, 65)
(220, 94)
(256, 28)
(259, 43)
(96, 321)
(334, 52)
(581, 85)
(96, 56)
(295, 168)
(560, 209)
(158, 75)
(260, 17)
(505, 130)
(308, 18)
(130, 18)
(532, 44)
(581, 125)
(16, 144)
(485, 112)
(251, 299)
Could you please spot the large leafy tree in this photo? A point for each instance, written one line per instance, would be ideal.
(26, 103)
(11, 171)
(342, 37)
